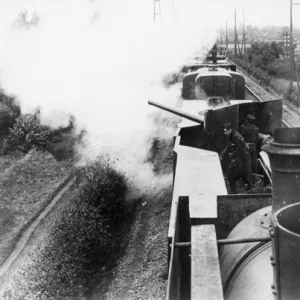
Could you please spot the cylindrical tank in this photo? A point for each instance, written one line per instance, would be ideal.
(284, 155)
(287, 252)
(243, 264)
(247, 269)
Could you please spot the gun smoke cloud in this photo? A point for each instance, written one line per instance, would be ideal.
(99, 61)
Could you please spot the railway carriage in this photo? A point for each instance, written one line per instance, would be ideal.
(220, 244)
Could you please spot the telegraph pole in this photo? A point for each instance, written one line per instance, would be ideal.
(244, 33)
(157, 9)
(291, 40)
(235, 51)
(221, 36)
(226, 38)
(292, 54)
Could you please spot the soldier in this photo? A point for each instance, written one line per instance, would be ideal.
(250, 132)
(240, 164)
(214, 52)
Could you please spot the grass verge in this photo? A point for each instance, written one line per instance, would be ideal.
(26, 187)
(81, 241)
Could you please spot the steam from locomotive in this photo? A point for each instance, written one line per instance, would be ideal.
(99, 61)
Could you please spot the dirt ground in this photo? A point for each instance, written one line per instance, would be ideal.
(142, 271)
(32, 244)
(26, 187)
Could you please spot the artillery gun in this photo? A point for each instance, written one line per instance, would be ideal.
(205, 129)
(219, 244)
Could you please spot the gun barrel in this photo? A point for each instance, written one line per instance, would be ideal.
(178, 112)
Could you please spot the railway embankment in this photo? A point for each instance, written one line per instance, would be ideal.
(275, 89)
(31, 185)
(27, 187)
(72, 240)
(85, 234)
(141, 270)
(68, 232)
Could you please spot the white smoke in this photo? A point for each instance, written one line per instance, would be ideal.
(100, 61)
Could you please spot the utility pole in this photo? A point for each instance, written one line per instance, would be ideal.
(291, 40)
(226, 38)
(235, 52)
(292, 54)
(221, 42)
(157, 11)
(244, 34)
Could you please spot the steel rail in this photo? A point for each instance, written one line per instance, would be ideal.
(286, 124)
(253, 93)
(260, 100)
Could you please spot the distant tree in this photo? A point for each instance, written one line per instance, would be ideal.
(285, 30)
(263, 54)
(277, 49)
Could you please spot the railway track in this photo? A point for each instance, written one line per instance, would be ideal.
(255, 96)
(259, 99)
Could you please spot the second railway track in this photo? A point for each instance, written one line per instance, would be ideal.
(253, 95)
(259, 99)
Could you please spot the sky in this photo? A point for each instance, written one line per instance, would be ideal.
(117, 37)
(256, 12)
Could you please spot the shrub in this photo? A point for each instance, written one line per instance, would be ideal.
(9, 111)
(253, 69)
(292, 95)
(81, 241)
(28, 133)
(105, 189)
(64, 140)
(11, 103)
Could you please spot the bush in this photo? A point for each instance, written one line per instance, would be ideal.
(105, 189)
(28, 133)
(11, 103)
(9, 111)
(81, 241)
(251, 68)
(291, 94)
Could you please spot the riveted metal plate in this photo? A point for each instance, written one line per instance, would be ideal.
(265, 220)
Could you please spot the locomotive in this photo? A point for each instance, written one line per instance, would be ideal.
(231, 246)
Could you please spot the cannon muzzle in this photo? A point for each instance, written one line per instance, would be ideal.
(178, 112)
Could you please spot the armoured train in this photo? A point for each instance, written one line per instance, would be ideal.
(232, 246)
